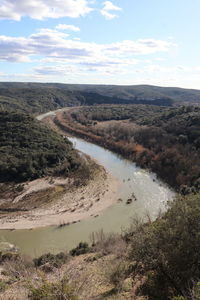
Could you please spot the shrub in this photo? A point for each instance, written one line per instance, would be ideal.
(106, 243)
(19, 268)
(117, 273)
(170, 248)
(3, 285)
(82, 248)
(60, 290)
(54, 260)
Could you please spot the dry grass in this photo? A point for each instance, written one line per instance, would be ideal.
(100, 275)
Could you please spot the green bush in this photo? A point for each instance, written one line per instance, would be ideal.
(170, 248)
(3, 285)
(54, 260)
(82, 248)
(156, 287)
(60, 290)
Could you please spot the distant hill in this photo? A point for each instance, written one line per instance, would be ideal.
(28, 149)
(42, 97)
(37, 99)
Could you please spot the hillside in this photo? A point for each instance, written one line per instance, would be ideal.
(29, 150)
(162, 139)
(41, 97)
(142, 92)
(36, 100)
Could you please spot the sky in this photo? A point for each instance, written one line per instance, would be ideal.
(121, 42)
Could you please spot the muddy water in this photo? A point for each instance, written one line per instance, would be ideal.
(151, 196)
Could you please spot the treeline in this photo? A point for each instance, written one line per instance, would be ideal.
(91, 98)
(164, 140)
(138, 113)
(138, 94)
(40, 99)
(29, 150)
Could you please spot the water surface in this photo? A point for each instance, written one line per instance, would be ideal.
(152, 196)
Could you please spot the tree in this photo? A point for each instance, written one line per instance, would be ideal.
(168, 250)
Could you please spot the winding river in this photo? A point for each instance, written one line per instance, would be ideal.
(151, 197)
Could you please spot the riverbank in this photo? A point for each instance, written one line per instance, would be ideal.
(71, 202)
(149, 197)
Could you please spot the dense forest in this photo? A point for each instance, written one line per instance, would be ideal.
(37, 100)
(29, 150)
(164, 140)
(41, 97)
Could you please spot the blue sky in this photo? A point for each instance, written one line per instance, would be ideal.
(102, 42)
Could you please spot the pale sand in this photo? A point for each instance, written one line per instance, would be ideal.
(81, 203)
(73, 206)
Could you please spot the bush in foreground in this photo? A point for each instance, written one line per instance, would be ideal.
(168, 250)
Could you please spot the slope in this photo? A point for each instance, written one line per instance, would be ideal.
(29, 150)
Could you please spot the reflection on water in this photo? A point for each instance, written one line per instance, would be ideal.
(151, 197)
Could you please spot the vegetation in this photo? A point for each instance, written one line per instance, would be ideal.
(167, 251)
(29, 150)
(82, 248)
(60, 290)
(40, 97)
(36, 100)
(52, 260)
(142, 92)
(157, 260)
(164, 140)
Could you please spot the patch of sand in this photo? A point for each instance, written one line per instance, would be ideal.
(75, 204)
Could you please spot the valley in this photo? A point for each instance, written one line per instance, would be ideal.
(112, 183)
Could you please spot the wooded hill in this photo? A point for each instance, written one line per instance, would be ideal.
(165, 140)
(42, 97)
(28, 149)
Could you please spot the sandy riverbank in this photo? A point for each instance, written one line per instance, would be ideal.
(75, 204)
(57, 201)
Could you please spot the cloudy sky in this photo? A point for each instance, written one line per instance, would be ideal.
(102, 42)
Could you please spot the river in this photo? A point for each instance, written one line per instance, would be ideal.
(151, 197)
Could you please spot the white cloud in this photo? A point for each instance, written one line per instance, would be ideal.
(108, 5)
(108, 15)
(107, 63)
(107, 10)
(109, 71)
(67, 27)
(50, 43)
(58, 57)
(55, 70)
(42, 9)
(140, 47)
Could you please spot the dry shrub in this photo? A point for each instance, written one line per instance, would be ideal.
(60, 290)
(116, 272)
(110, 243)
(19, 269)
